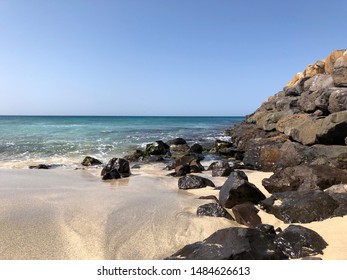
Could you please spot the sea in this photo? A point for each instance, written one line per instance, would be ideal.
(63, 141)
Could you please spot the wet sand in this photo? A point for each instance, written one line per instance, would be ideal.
(72, 214)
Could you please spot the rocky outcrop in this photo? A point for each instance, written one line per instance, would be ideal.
(310, 112)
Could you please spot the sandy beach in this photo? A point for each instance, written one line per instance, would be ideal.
(72, 214)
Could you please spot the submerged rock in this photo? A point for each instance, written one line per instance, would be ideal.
(40, 166)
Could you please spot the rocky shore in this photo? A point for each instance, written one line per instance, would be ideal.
(299, 134)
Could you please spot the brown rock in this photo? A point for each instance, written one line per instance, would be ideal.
(286, 123)
(314, 69)
(340, 71)
(295, 79)
(246, 214)
(331, 59)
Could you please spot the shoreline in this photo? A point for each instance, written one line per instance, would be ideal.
(73, 214)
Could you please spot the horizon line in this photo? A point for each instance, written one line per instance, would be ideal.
(149, 116)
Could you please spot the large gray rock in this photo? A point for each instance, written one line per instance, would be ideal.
(157, 148)
(304, 177)
(337, 100)
(339, 193)
(301, 206)
(319, 82)
(232, 244)
(298, 242)
(293, 154)
(237, 190)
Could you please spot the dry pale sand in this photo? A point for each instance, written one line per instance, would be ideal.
(72, 214)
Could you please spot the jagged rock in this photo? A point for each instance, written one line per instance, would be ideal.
(337, 100)
(116, 168)
(194, 182)
(196, 149)
(340, 71)
(295, 80)
(306, 132)
(307, 101)
(314, 69)
(319, 82)
(333, 129)
(298, 242)
(331, 59)
(157, 148)
(232, 244)
(179, 149)
(213, 210)
(89, 161)
(286, 123)
(181, 170)
(237, 190)
(304, 177)
(220, 168)
(246, 214)
(300, 206)
(293, 154)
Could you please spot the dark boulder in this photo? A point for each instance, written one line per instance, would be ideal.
(194, 182)
(337, 100)
(181, 170)
(304, 177)
(237, 190)
(246, 214)
(89, 161)
(115, 167)
(300, 206)
(111, 175)
(232, 244)
(298, 242)
(196, 149)
(177, 141)
(213, 210)
(157, 148)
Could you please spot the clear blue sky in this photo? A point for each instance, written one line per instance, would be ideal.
(157, 57)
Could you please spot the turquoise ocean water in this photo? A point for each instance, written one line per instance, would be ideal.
(65, 141)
